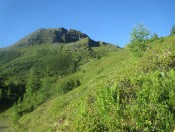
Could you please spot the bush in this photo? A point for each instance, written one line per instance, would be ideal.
(68, 85)
(137, 103)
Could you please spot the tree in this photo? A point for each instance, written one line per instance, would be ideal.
(154, 36)
(172, 32)
(29, 99)
(32, 83)
(0, 94)
(139, 37)
(45, 90)
(9, 93)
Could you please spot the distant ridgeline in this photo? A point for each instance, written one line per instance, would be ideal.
(55, 36)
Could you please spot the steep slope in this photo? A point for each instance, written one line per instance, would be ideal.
(76, 87)
(91, 75)
(117, 93)
(33, 62)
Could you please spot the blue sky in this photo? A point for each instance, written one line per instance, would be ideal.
(105, 20)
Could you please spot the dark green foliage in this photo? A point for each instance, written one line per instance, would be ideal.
(32, 83)
(6, 56)
(16, 115)
(46, 88)
(30, 96)
(10, 92)
(37, 91)
(100, 54)
(154, 37)
(172, 32)
(68, 85)
(0, 94)
(60, 64)
(139, 37)
(14, 75)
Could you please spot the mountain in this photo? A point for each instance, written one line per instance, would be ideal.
(54, 36)
(45, 46)
(53, 53)
(71, 86)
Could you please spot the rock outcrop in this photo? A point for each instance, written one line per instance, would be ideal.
(53, 35)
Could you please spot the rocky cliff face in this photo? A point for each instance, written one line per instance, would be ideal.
(72, 36)
(55, 35)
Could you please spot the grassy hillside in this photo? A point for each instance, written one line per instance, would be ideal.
(92, 75)
(51, 60)
(111, 90)
(30, 75)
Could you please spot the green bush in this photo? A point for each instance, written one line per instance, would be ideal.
(138, 103)
(68, 85)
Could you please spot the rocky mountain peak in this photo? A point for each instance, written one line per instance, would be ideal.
(52, 35)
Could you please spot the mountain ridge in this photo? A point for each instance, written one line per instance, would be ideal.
(56, 36)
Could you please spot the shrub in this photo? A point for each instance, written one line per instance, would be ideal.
(68, 85)
(138, 103)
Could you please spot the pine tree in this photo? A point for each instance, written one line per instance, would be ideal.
(15, 115)
(139, 37)
(0, 93)
(29, 99)
(154, 36)
(139, 33)
(9, 93)
(172, 32)
(46, 88)
(31, 84)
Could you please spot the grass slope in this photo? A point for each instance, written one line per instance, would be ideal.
(117, 93)
(92, 75)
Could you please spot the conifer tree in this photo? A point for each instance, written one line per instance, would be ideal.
(0, 93)
(46, 88)
(139, 37)
(172, 32)
(154, 36)
(9, 93)
(31, 84)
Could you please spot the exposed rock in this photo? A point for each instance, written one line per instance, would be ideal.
(53, 35)
(73, 36)
(56, 36)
